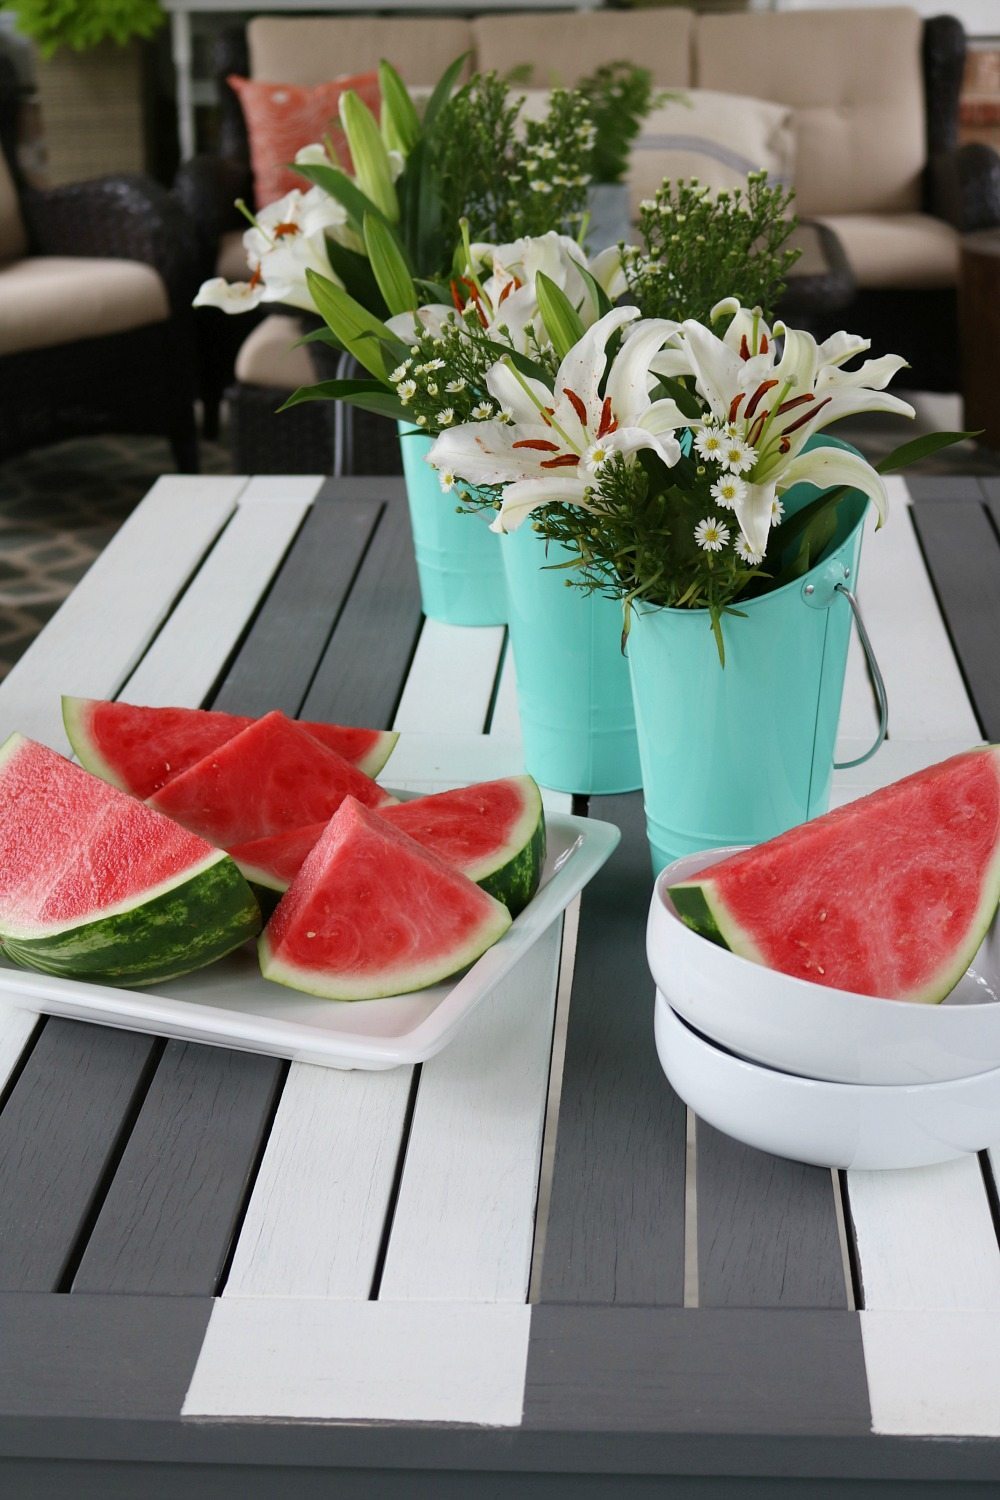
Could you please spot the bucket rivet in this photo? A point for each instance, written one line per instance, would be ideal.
(809, 589)
(847, 572)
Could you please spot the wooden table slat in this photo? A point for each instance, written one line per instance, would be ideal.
(63, 1123)
(167, 1223)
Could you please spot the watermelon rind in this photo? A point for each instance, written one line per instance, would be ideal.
(74, 714)
(175, 928)
(702, 907)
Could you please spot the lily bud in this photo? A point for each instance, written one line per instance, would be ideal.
(372, 168)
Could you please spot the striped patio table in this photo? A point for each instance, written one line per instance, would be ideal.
(523, 1268)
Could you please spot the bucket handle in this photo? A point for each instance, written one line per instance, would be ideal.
(877, 679)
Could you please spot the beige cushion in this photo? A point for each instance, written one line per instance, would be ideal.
(904, 250)
(268, 355)
(564, 48)
(717, 138)
(313, 49)
(231, 261)
(13, 239)
(47, 300)
(855, 81)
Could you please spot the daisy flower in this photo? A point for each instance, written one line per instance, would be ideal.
(445, 417)
(737, 455)
(709, 443)
(406, 390)
(711, 535)
(482, 412)
(597, 456)
(729, 491)
(746, 552)
(399, 373)
(777, 512)
(454, 386)
(447, 481)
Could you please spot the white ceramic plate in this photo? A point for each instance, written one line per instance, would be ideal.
(813, 1030)
(827, 1124)
(229, 1004)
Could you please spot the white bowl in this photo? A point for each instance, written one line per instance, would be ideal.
(827, 1124)
(814, 1030)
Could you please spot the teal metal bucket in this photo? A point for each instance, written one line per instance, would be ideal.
(458, 556)
(737, 754)
(573, 690)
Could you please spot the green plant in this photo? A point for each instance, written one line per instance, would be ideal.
(619, 96)
(82, 24)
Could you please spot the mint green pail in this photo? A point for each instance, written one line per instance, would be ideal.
(573, 690)
(737, 754)
(458, 556)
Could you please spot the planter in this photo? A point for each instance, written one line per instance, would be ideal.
(458, 556)
(737, 754)
(573, 690)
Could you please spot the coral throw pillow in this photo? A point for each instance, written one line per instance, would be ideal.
(281, 118)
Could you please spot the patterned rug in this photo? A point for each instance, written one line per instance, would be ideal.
(59, 506)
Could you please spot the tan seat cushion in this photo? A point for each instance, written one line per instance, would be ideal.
(268, 357)
(13, 239)
(897, 250)
(854, 79)
(231, 261)
(47, 300)
(312, 49)
(564, 48)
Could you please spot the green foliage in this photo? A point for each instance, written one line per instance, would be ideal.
(619, 96)
(700, 249)
(81, 24)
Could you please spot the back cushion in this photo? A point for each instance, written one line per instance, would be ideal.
(315, 48)
(281, 118)
(563, 48)
(854, 79)
(13, 238)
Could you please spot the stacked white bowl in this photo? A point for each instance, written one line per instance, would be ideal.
(819, 1074)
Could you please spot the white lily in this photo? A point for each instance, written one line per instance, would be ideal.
(286, 238)
(557, 440)
(772, 403)
(507, 297)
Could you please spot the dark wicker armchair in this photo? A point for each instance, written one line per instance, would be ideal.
(96, 281)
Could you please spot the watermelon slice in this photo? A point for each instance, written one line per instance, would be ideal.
(267, 779)
(141, 749)
(889, 896)
(493, 832)
(95, 885)
(372, 914)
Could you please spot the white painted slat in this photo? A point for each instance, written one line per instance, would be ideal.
(184, 661)
(369, 1361)
(95, 639)
(927, 698)
(16, 1026)
(506, 719)
(933, 1374)
(432, 697)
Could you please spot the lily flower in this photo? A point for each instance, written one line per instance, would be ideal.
(554, 442)
(768, 403)
(507, 299)
(284, 240)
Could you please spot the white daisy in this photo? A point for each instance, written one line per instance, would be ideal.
(432, 364)
(738, 456)
(421, 421)
(729, 491)
(482, 412)
(406, 390)
(399, 373)
(446, 417)
(447, 481)
(777, 512)
(746, 552)
(597, 456)
(505, 414)
(539, 185)
(432, 388)
(709, 443)
(711, 535)
(454, 386)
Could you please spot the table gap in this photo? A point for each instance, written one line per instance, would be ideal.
(397, 1181)
(127, 1125)
(557, 1061)
(992, 1190)
(494, 695)
(845, 1234)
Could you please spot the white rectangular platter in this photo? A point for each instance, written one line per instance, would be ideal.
(229, 1004)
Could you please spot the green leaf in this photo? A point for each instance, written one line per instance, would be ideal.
(371, 343)
(372, 168)
(357, 275)
(319, 336)
(369, 395)
(921, 447)
(400, 121)
(442, 90)
(562, 321)
(389, 267)
(602, 301)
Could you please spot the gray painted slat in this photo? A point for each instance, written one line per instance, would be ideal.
(767, 1229)
(947, 487)
(85, 1357)
(59, 1132)
(645, 1369)
(277, 659)
(615, 1229)
(166, 1225)
(362, 671)
(963, 558)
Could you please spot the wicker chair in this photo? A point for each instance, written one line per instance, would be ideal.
(96, 281)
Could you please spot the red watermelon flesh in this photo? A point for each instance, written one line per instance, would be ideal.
(889, 896)
(372, 914)
(267, 779)
(142, 749)
(274, 862)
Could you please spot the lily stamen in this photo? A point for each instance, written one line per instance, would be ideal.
(576, 403)
(757, 397)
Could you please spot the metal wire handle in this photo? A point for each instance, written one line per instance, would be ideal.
(877, 679)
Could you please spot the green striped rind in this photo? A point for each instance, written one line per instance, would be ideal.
(691, 905)
(330, 986)
(183, 927)
(517, 872)
(74, 716)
